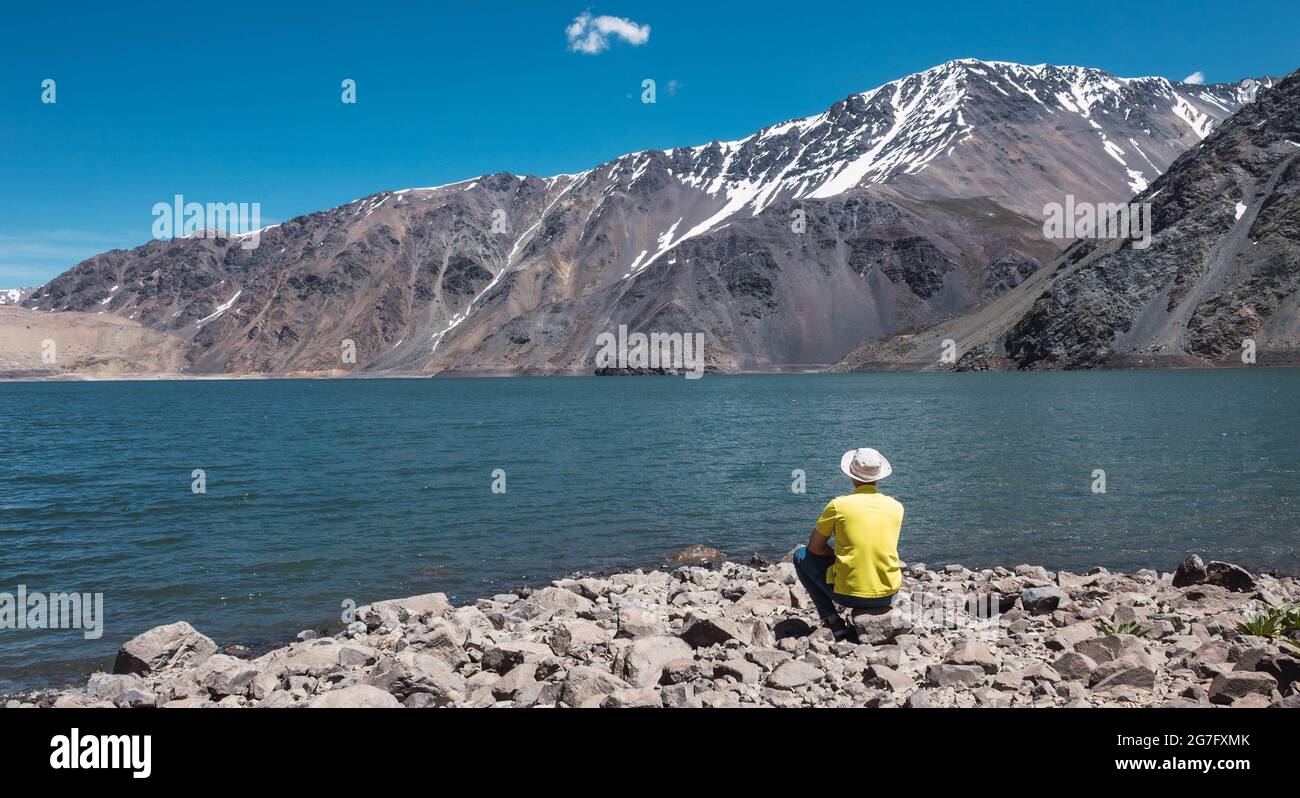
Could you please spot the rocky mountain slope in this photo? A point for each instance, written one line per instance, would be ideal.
(1222, 271)
(892, 210)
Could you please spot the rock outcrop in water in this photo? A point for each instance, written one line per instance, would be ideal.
(741, 635)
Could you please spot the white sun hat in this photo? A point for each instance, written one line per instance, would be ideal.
(865, 465)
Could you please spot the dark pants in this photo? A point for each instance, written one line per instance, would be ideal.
(811, 569)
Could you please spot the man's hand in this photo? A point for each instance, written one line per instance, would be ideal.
(817, 545)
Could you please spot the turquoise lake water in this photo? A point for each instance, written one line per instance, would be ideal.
(320, 491)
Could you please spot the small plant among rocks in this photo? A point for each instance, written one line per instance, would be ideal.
(1127, 628)
(1275, 622)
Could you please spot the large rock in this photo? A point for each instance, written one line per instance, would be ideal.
(767, 658)
(410, 672)
(585, 683)
(505, 655)
(793, 674)
(580, 634)
(878, 628)
(354, 697)
(1228, 688)
(680, 671)
(1042, 600)
(222, 675)
(680, 696)
(973, 652)
(635, 622)
(314, 658)
(1067, 637)
(1130, 670)
(1210, 659)
(1190, 571)
(738, 669)
(135, 698)
(643, 661)
(162, 647)
(791, 628)
(1233, 577)
(81, 701)
(518, 680)
(942, 675)
(885, 676)
(1105, 649)
(705, 631)
(1283, 667)
(392, 612)
(108, 686)
(696, 555)
(1073, 665)
(628, 697)
(562, 602)
(445, 642)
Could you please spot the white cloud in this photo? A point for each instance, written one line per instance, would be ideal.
(1196, 78)
(590, 35)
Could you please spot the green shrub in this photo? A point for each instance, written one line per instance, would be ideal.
(1274, 622)
(1127, 628)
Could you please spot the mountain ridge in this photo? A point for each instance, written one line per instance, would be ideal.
(920, 197)
(1218, 286)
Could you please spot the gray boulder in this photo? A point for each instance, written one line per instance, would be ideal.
(1228, 688)
(108, 686)
(885, 676)
(705, 631)
(973, 652)
(633, 697)
(411, 672)
(222, 675)
(1042, 600)
(562, 602)
(738, 669)
(942, 675)
(1105, 649)
(643, 661)
(162, 647)
(584, 683)
(1233, 577)
(635, 622)
(393, 612)
(793, 674)
(1073, 665)
(358, 696)
(1130, 670)
(1190, 571)
(696, 555)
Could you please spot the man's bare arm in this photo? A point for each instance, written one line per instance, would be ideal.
(817, 544)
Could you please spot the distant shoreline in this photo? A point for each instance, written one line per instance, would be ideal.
(885, 368)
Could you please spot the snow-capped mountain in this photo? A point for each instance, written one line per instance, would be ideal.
(13, 296)
(1219, 283)
(893, 209)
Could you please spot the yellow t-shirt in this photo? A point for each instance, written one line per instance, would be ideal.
(865, 524)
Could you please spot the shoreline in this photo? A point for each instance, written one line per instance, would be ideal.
(488, 374)
(704, 631)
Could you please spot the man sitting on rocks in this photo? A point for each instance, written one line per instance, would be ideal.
(861, 571)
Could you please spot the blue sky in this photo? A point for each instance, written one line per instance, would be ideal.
(240, 102)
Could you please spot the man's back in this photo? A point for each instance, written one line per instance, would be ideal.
(866, 524)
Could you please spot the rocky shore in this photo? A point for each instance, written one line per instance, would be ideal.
(714, 633)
